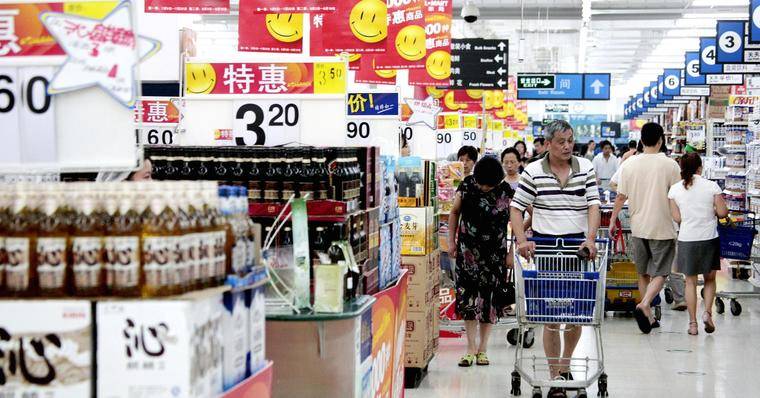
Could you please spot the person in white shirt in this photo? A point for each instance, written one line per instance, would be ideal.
(605, 165)
(694, 204)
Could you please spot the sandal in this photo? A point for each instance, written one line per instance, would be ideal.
(709, 324)
(693, 329)
(482, 359)
(556, 392)
(467, 361)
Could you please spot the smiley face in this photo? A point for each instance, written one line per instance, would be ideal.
(384, 73)
(410, 43)
(286, 28)
(354, 57)
(369, 20)
(438, 65)
(435, 92)
(199, 78)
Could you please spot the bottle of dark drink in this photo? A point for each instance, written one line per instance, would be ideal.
(289, 173)
(321, 176)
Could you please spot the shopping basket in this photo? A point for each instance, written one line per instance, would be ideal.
(736, 236)
(555, 287)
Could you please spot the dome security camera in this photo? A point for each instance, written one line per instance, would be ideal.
(470, 12)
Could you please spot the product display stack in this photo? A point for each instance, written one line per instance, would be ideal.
(421, 259)
(151, 289)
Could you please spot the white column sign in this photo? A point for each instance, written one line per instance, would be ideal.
(266, 122)
(373, 120)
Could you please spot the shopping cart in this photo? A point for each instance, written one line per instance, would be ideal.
(737, 245)
(556, 287)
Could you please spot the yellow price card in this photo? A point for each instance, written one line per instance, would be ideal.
(94, 9)
(451, 121)
(330, 78)
(470, 121)
(498, 125)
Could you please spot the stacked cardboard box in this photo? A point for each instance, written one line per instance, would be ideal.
(422, 314)
(418, 231)
(416, 179)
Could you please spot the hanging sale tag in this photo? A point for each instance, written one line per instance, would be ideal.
(330, 78)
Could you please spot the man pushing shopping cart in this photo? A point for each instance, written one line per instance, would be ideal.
(560, 272)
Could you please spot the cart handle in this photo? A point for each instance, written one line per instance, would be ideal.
(569, 240)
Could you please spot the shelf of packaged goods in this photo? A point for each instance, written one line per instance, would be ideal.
(351, 309)
(257, 385)
(317, 210)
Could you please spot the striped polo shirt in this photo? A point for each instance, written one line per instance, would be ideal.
(557, 209)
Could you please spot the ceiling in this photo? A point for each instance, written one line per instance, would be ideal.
(632, 39)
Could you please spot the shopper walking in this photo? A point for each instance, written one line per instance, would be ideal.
(510, 161)
(523, 150)
(644, 183)
(588, 150)
(468, 155)
(480, 216)
(694, 203)
(605, 165)
(631, 151)
(539, 149)
(563, 192)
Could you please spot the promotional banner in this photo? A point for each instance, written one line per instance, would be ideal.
(388, 331)
(291, 6)
(23, 33)
(101, 52)
(438, 43)
(405, 47)
(272, 78)
(355, 27)
(367, 73)
(280, 33)
(372, 104)
(187, 6)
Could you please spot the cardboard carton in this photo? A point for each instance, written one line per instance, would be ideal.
(257, 329)
(417, 231)
(235, 320)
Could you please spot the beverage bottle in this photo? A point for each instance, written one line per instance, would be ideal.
(123, 249)
(307, 173)
(195, 236)
(157, 244)
(183, 237)
(255, 173)
(87, 237)
(20, 243)
(221, 248)
(289, 173)
(273, 176)
(6, 204)
(52, 243)
(228, 198)
(321, 174)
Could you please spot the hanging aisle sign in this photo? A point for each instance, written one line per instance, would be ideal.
(710, 68)
(730, 39)
(479, 64)
(671, 82)
(754, 22)
(563, 86)
(693, 75)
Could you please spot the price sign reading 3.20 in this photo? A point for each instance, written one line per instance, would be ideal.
(266, 122)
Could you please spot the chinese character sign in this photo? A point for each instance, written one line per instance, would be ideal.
(438, 43)
(156, 111)
(406, 46)
(367, 73)
(355, 27)
(187, 6)
(292, 6)
(372, 104)
(101, 52)
(22, 32)
(281, 32)
(257, 78)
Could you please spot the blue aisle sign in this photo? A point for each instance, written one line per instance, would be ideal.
(671, 80)
(693, 75)
(372, 104)
(660, 88)
(569, 86)
(596, 86)
(647, 99)
(639, 104)
(754, 21)
(730, 39)
(708, 57)
(653, 94)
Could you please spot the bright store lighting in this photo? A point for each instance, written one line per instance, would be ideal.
(719, 3)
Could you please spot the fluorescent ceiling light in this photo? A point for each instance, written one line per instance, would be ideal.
(714, 15)
(723, 3)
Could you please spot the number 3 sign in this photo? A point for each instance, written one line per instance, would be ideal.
(266, 122)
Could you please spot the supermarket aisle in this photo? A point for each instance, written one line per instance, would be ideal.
(637, 365)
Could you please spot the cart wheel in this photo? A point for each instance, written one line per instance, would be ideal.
(515, 384)
(658, 312)
(582, 393)
(602, 386)
(736, 308)
(529, 337)
(720, 306)
(537, 392)
(668, 295)
(512, 336)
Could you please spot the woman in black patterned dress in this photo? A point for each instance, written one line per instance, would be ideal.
(478, 240)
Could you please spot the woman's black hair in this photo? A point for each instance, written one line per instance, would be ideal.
(488, 171)
(511, 150)
(690, 163)
(470, 151)
(525, 147)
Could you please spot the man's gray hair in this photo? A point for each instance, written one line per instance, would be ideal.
(556, 126)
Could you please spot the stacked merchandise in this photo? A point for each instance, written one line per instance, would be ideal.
(421, 257)
(76, 243)
(343, 192)
(389, 249)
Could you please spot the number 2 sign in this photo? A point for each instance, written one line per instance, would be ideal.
(266, 122)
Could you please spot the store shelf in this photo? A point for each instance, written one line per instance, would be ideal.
(317, 210)
(351, 309)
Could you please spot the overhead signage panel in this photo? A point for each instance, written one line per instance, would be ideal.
(564, 86)
(708, 56)
(671, 82)
(730, 40)
(754, 21)
(693, 75)
(479, 63)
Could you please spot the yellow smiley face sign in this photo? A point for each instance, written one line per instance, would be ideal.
(410, 43)
(369, 21)
(199, 78)
(438, 65)
(286, 28)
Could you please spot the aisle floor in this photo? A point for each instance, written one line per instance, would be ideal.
(668, 361)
